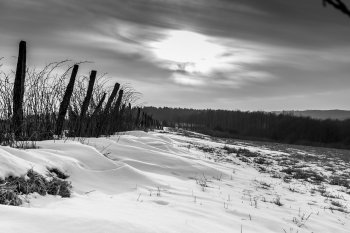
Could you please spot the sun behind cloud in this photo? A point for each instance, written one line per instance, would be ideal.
(197, 59)
(188, 51)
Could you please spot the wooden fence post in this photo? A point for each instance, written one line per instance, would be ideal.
(65, 102)
(113, 121)
(117, 103)
(81, 123)
(105, 118)
(111, 97)
(18, 90)
(87, 98)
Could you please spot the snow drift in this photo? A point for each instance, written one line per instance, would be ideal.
(154, 182)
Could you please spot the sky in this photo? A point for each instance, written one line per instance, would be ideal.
(220, 54)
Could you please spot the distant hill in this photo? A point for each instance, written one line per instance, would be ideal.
(321, 114)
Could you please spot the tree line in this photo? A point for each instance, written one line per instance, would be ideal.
(259, 125)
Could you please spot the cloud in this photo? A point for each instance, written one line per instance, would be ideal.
(187, 80)
(181, 50)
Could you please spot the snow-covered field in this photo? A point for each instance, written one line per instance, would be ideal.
(178, 182)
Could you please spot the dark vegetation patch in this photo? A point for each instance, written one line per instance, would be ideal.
(337, 203)
(33, 182)
(262, 169)
(185, 133)
(247, 153)
(206, 149)
(58, 173)
(302, 174)
(297, 165)
(247, 156)
(230, 150)
(340, 209)
(305, 157)
(277, 201)
(341, 180)
(264, 185)
(294, 163)
(325, 193)
(288, 162)
(262, 161)
(244, 159)
(338, 206)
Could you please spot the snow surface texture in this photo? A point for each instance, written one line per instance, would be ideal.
(160, 182)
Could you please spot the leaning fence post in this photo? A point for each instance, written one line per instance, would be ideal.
(115, 113)
(65, 102)
(118, 102)
(106, 112)
(87, 98)
(81, 124)
(111, 97)
(18, 90)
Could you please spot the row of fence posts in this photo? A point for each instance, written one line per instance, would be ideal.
(102, 121)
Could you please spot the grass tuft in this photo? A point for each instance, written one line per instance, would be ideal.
(58, 173)
(32, 182)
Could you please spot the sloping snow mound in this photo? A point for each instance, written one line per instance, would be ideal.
(12, 165)
(156, 182)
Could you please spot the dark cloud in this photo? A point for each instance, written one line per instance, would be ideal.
(271, 53)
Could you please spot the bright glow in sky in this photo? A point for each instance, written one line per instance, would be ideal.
(201, 60)
(192, 52)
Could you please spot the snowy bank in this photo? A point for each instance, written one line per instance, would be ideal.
(157, 182)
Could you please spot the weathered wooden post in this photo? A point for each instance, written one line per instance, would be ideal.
(105, 118)
(81, 124)
(113, 121)
(88, 96)
(65, 102)
(118, 102)
(18, 90)
(111, 97)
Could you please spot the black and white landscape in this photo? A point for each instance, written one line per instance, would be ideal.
(174, 116)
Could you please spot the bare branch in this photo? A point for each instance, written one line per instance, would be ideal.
(339, 5)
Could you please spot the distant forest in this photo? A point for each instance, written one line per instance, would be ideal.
(283, 127)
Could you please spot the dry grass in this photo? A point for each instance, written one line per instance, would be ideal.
(58, 173)
(304, 174)
(277, 201)
(44, 90)
(32, 182)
